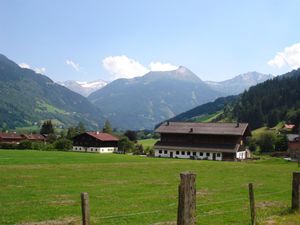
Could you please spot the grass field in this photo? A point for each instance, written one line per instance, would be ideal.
(123, 189)
(148, 142)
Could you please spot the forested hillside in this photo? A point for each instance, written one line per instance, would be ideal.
(271, 102)
(28, 97)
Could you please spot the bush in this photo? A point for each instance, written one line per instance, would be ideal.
(63, 144)
(266, 142)
(38, 145)
(25, 145)
(251, 142)
(125, 145)
(281, 143)
(8, 146)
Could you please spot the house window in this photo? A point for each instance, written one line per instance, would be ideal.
(201, 153)
(183, 153)
(177, 152)
(188, 153)
(166, 152)
(160, 151)
(194, 153)
(208, 154)
(218, 154)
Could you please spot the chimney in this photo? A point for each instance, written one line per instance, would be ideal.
(237, 124)
(191, 130)
(97, 132)
(168, 123)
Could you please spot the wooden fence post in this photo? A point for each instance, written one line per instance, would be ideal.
(296, 191)
(252, 204)
(85, 208)
(186, 214)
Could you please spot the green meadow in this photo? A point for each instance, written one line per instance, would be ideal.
(45, 187)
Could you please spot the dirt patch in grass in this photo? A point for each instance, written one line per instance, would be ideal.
(63, 221)
(203, 192)
(267, 204)
(165, 223)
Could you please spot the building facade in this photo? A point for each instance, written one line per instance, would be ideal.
(10, 138)
(211, 141)
(95, 142)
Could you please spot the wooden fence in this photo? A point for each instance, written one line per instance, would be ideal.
(186, 213)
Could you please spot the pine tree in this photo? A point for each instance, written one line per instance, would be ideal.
(80, 128)
(47, 128)
(107, 127)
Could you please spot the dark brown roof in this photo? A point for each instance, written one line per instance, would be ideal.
(203, 128)
(5, 135)
(34, 137)
(102, 136)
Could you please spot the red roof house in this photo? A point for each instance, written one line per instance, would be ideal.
(96, 142)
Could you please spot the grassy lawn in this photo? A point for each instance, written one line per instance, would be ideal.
(148, 142)
(123, 189)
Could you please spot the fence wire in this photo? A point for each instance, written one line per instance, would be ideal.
(198, 205)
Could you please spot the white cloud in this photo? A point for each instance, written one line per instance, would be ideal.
(122, 66)
(290, 56)
(74, 65)
(41, 70)
(125, 67)
(24, 65)
(158, 66)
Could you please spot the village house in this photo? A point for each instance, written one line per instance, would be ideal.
(34, 137)
(293, 145)
(96, 142)
(211, 141)
(10, 138)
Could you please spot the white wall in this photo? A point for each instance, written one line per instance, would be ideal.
(243, 154)
(95, 149)
(186, 154)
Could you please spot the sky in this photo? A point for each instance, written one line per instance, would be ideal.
(89, 40)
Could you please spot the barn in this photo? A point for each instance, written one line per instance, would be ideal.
(211, 141)
(95, 142)
(10, 138)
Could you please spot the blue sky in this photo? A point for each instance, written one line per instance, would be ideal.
(89, 40)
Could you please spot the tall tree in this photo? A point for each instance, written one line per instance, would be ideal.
(47, 128)
(80, 128)
(132, 135)
(107, 127)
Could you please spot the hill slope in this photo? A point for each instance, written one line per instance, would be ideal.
(144, 101)
(265, 104)
(271, 102)
(27, 97)
(205, 110)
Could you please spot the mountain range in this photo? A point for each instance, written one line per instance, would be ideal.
(137, 103)
(28, 97)
(238, 84)
(142, 102)
(84, 88)
(265, 104)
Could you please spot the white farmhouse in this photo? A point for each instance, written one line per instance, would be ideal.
(211, 141)
(95, 142)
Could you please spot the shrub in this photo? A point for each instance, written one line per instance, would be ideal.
(281, 143)
(38, 145)
(8, 146)
(25, 145)
(266, 142)
(63, 144)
